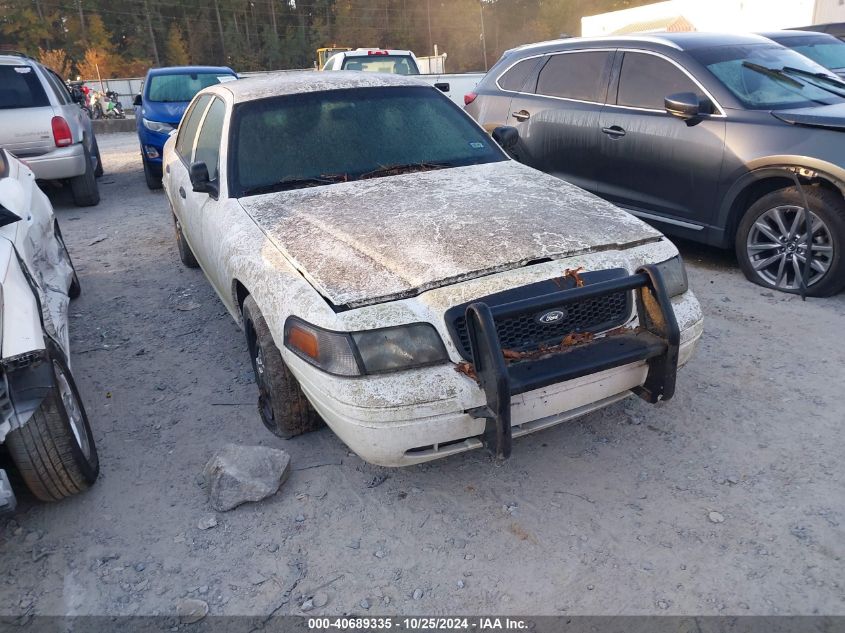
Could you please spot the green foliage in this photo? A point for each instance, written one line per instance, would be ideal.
(278, 34)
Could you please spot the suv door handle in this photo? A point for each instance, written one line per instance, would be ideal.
(614, 131)
(522, 115)
(182, 191)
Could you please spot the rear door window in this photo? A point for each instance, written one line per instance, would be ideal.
(646, 80)
(583, 76)
(208, 141)
(21, 88)
(515, 78)
(188, 128)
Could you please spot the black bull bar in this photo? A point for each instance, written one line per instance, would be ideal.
(656, 341)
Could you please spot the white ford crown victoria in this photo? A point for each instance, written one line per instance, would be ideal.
(400, 278)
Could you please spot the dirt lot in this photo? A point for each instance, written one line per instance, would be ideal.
(607, 515)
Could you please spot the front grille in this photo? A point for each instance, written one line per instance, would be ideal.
(525, 333)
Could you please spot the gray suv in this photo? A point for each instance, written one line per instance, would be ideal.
(707, 136)
(42, 125)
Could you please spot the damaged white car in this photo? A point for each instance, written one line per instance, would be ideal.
(42, 421)
(400, 278)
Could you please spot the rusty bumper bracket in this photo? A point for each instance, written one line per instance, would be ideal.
(656, 341)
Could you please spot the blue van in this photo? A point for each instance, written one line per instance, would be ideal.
(163, 100)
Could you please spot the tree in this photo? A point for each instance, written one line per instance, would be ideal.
(57, 60)
(95, 62)
(175, 48)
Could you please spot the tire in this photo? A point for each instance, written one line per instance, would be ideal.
(185, 252)
(75, 288)
(283, 407)
(53, 463)
(152, 175)
(99, 171)
(84, 187)
(778, 219)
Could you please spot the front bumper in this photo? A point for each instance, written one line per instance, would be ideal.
(62, 162)
(421, 415)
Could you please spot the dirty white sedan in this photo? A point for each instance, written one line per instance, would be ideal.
(400, 278)
(42, 420)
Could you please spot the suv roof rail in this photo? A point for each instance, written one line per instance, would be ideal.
(15, 53)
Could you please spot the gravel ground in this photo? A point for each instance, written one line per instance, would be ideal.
(726, 500)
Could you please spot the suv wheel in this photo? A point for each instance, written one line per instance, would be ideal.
(54, 451)
(771, 242)
(84, 187)
(283, 407)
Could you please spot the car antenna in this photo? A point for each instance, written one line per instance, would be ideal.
(808, 260)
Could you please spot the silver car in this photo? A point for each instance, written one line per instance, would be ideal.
(42, 125)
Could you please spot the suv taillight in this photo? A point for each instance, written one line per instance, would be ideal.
(469, 98)
(61, 132)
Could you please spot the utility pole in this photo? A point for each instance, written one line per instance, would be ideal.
(81, 18)
(483, 38)
(430, 40)
(152, 33)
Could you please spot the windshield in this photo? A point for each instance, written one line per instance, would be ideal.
(743, 71)
(825, 50)
(393, 64)
(182, 87)
(318, 138)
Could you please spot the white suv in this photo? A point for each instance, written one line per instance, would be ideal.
(42, 125)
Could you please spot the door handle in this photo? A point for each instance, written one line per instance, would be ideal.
(182, 191)
(522, 115)
(614, 131)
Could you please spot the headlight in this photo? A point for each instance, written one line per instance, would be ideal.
(368, 352)
(674, 276)
(158, 126)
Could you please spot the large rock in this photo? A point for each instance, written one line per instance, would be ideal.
(237, 474)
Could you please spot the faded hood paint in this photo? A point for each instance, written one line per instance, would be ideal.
(828, 116)
(377, 240)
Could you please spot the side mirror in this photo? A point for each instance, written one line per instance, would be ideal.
(137, 100)
(506, 136)
(199, 179)
(12, 200)
(684, 105)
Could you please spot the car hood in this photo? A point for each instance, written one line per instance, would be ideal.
(376, 240)
(827, 116)
(165, 112)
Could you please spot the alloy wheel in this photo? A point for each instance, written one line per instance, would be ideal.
(777, 247)
(74, 412)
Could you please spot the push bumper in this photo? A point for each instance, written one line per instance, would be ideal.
(62, 162)
(655, 342)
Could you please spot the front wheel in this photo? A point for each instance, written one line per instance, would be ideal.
(186, 255)
(152, 174)
(54, 450)
(772, 241)
(283, 407)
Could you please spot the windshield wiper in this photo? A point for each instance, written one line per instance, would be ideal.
(822, 76)
(392, 170)
(774, 73)
(286, 184)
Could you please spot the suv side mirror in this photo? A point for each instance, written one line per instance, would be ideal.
(684, 105)
(506, 136)
(137, 100)
(200, 180)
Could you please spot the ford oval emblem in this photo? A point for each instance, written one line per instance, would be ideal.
(551, 317)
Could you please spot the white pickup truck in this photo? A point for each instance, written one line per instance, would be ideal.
(402, 62)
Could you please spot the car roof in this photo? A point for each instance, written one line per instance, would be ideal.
(15, 59)
(181, 70)
(679, 41)
(365, 52)
(785, 35)
(287, 83)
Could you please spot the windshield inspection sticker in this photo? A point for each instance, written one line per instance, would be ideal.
(476, 145)
(23, 69)
(224, 78)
